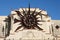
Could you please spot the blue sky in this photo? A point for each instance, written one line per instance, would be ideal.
(51, 6)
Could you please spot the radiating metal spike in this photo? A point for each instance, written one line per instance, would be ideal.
(38, 27)
(39, 24)
(38, 17)
(40, 20)
(16, 20)
(24, 13)
(19, 14)
(18, 28)
(29, 10)
(38, 13)
(34, 11)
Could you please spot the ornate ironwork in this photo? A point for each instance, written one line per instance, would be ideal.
(29, 20)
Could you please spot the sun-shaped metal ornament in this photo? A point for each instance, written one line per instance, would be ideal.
(29, 20)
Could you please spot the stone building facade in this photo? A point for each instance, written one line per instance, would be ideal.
(10, 27)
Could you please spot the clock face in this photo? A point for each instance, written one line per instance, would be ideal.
(29, 19)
